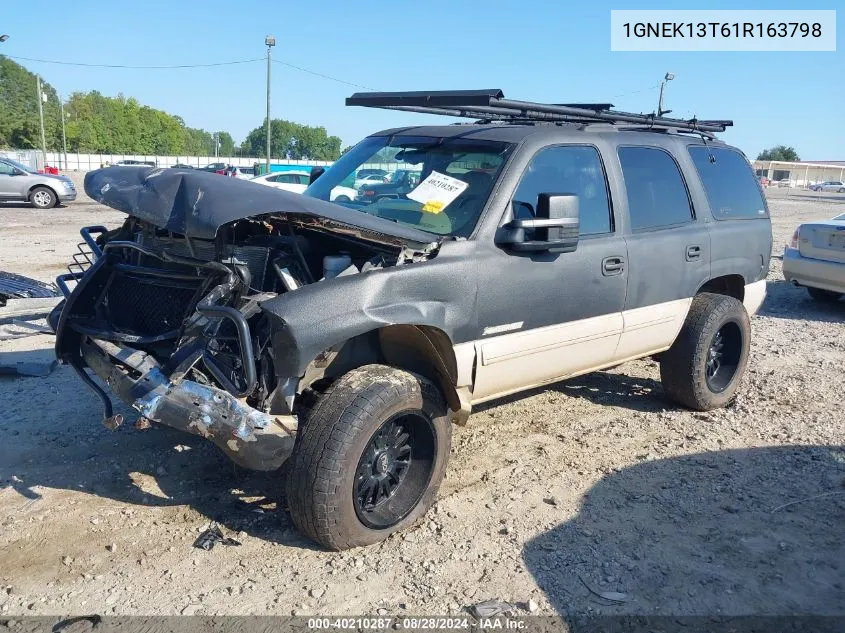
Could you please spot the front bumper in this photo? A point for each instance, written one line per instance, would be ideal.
(67, 196)
(815, 273)
(251, 438)
(87, 336)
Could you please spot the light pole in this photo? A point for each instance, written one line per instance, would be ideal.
(64, 138)
(41, 99)
(270, 41)
(660, 110)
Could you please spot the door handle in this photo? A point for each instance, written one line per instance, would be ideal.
(693, 252)
(612, 265)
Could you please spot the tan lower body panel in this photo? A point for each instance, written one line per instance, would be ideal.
(755, 294)
(516, 361)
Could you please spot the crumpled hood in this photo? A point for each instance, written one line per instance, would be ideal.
(196, 203)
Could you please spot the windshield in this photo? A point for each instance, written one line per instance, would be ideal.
(439, 185)
(20, 166)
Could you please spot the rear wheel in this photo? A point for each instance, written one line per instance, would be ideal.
(342, 199)
(703, 368)
(43, 198)
(841, 189)
(370, 457)
(825, 296)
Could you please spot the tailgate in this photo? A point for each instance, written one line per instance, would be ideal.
(823, 240)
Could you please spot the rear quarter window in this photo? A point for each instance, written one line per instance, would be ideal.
(731, 187)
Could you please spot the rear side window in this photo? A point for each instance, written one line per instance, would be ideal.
(729, 183)
(657, 195)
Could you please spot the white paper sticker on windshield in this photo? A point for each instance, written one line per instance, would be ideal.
(437, 191)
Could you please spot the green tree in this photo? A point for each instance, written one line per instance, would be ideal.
(19, 126)
(779, 152)
(95, 123)
(292, 140)
(227, 144)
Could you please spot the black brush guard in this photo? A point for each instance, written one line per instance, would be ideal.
(144, 306)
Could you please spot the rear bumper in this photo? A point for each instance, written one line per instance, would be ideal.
(815, 273)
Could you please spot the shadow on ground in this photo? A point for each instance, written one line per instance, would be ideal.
(53, 438)
(637, 394)
(706, 534)
(786, 301)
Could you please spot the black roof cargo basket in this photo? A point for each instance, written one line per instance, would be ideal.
(491, 105)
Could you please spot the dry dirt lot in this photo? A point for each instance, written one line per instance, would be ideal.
(595, 482)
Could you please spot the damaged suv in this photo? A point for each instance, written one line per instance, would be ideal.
(541, 242)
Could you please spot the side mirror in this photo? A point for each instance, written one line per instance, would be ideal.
(555, 226)
(18, 172)
(316, 172)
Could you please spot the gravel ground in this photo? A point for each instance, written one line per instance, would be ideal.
(591, 485)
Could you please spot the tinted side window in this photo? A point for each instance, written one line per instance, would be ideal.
(567, 169)
(657, 195)
(729, 183)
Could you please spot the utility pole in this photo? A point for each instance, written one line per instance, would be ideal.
(41, 117)
(216, 145)
(270, 41)
(64, 138)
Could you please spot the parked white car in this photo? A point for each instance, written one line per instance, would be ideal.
(370, 179)
(815, 258)
(297, 181)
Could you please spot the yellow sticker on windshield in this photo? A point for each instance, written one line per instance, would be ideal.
(433, 206)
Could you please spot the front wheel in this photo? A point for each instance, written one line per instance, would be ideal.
(342, 199)
(825, 296)
(43, 198)
(703, 368)
(370, 458)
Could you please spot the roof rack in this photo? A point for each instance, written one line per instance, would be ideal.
(491, 105)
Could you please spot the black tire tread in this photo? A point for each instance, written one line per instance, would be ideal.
(682, 365)
(318, 463)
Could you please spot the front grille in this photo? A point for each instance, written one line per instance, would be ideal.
(148, 306)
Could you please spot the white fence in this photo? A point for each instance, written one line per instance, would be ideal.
(87, 162)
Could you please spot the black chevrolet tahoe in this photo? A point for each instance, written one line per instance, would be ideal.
(541, 242)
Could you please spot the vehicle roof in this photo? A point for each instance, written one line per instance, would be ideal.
(516, 133)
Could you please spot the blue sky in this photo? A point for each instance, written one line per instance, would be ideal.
(554, 51)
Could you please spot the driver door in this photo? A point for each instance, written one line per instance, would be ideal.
(543, 316)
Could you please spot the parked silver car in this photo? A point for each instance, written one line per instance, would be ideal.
(830, 185)
(19, 183)
(815, 258)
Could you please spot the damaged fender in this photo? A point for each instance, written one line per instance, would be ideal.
(437, 293)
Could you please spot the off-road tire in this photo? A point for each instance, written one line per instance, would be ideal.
(825, 296)
(321, 490)
(43, 198)
(684, 366)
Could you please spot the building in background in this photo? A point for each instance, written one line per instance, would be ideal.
(799, 174)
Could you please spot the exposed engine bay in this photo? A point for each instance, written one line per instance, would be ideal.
(174, 324)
